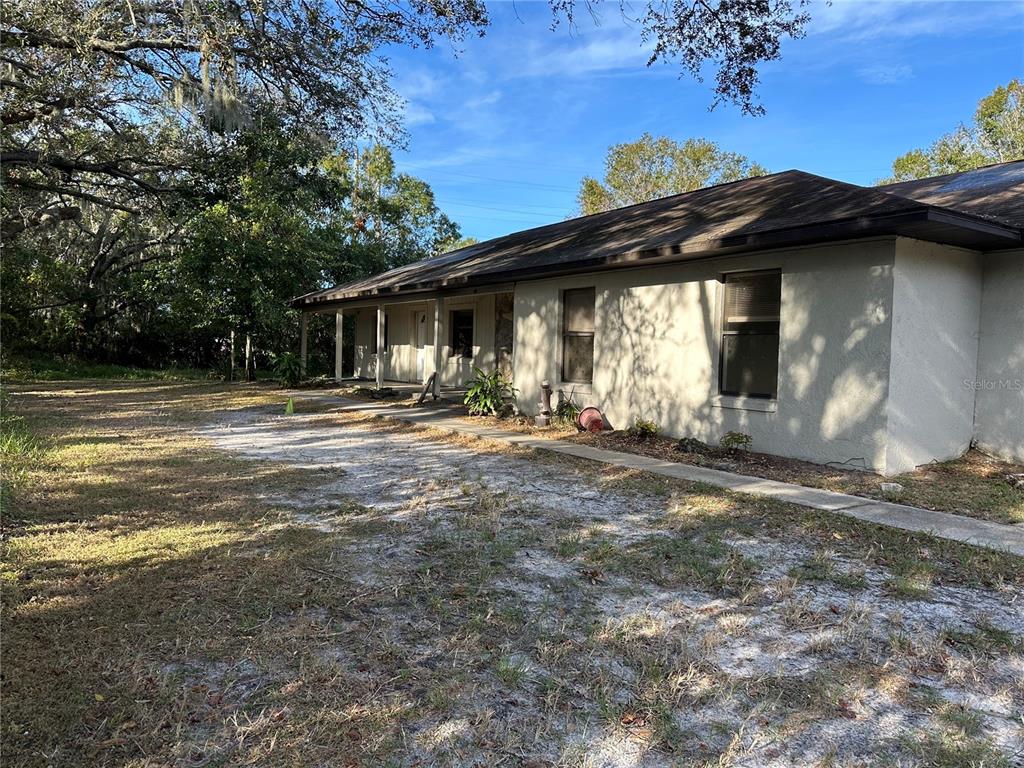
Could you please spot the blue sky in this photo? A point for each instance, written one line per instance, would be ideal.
(504, 131)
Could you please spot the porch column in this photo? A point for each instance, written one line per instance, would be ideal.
(439, 335)
(302, 343)
(339, 324)
(380, 346)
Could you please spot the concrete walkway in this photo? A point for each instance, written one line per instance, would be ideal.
(1008, 538)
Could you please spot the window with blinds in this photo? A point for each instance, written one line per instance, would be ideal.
(578, 335)
(749, 364)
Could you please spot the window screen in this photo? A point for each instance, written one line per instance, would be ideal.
(461, 322)
(578, 335)
(750, 334)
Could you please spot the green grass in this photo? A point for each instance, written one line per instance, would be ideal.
(960, 718)
(972, 485)
(510, 671)
(952, 748)
(985, 638)
(681, 560)
(19, 449)
(69, 369)
(914, 585)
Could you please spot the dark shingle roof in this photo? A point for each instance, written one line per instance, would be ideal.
(995, 192)
(786, 208)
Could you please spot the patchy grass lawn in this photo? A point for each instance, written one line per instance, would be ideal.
(974, 485)
(191, 578)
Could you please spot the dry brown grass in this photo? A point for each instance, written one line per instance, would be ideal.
(162, 606)
(974, 485)
(145, 584)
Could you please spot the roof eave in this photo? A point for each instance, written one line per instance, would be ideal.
(922, 222)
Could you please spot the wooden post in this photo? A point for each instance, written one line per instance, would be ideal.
(380, 346)
(439, 335)
(302, 343)
(339, 325)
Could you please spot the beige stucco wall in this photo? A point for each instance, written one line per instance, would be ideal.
(401, 354)
(936, 308)
(999, 385)
(657, 347)
(893, 352)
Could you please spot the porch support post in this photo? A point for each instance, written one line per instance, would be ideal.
(302, 342)
(380, 346)
(339, 324)
(439, 335)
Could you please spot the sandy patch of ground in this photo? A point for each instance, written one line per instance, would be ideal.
(518, 611)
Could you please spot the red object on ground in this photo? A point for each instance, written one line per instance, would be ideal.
(590, 420)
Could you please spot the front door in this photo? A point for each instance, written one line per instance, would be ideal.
(420, 321)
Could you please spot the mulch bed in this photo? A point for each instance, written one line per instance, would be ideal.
(741, 462)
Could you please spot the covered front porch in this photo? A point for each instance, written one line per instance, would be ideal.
(394, 343)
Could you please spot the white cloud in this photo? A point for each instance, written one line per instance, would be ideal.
(875, 19)
(885, 74)
(462, 156)
(486, 100)
(417, 84)
(598, 50)
(417, 114)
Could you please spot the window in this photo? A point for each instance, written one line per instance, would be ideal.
(461, 323)
(578, 335)
(750, 335)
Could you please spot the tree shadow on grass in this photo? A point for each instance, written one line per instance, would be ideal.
(164, 610)
(139, 565)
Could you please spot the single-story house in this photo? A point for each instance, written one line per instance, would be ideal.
(875, 327)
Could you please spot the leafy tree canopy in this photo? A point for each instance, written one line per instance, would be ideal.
(996, 135)
(145, 142)
(462, 242)
(650, 167)
(102, 99)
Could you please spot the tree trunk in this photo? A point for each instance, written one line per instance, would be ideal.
(250, 368)
(231, 369)
(86, 342)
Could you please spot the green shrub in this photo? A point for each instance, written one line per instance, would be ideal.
(735, 441)
(643, 429)
(288, 369)
(567, 409)
(487, 393)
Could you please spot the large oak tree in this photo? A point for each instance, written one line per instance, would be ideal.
(113, 109)
(103, 97)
